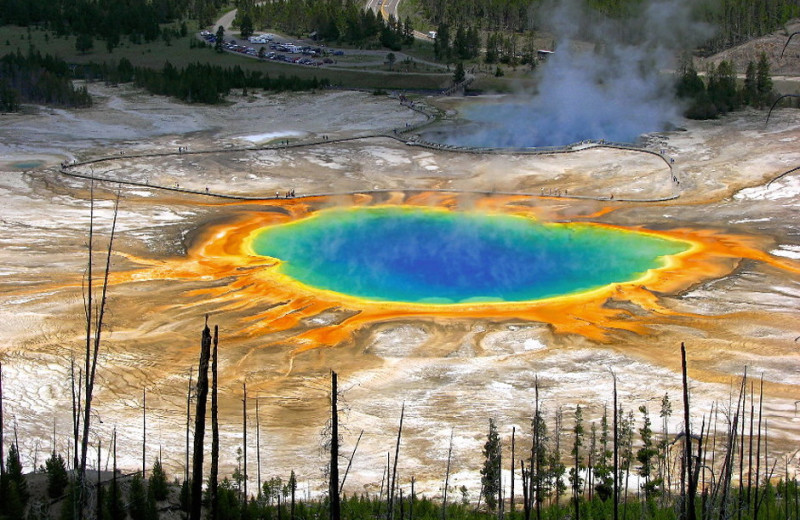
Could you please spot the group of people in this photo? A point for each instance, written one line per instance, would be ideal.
(288, 195)
(555, 192)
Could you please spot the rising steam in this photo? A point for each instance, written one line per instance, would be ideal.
(608, 79)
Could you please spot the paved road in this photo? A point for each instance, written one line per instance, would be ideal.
(225, 21)
(386, 7)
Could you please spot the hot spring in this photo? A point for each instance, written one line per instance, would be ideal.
(422, 255)
(532, 123)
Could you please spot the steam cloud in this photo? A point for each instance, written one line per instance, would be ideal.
(608, 79)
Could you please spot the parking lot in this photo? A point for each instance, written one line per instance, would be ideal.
(267, 47)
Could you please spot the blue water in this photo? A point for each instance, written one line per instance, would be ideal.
(534, 124)
(411, 254)
(27, 165)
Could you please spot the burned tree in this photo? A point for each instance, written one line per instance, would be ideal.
(94, 327)
(333, 487)
(212, 480)
(200, 424)
(393, 483)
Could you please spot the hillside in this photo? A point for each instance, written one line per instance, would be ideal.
(772, 44)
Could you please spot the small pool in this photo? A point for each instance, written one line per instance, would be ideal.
(420, 255)
(27, 165)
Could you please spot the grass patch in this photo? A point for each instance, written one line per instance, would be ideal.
(412, 9)
(421, 49)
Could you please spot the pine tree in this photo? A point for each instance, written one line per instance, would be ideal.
(473, 43)
(137, 499)
(490, 473)
(246, 26)
(11, 505)
(158, 481)
(763, 80)
(574, 473)
(459, 74)
(539, 476)
(293, 490)
(220, 39)
(57, 478)
(69, 506)
(15, 476)
(185, 497)
(750, 88)
(151, 511)
(645, 455)
(113, 507)
(556, 468)
(84, 43)
(626, 424)
(663, 445)
(491, 48)
(722, 87)
(603, 469)
(460, 43)
(408, 32)
(441, 44)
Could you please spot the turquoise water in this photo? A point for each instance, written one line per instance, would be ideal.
(27, 165)
(419, 255)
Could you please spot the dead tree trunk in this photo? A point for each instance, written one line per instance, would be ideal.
(513, 438)
(350, 462)
(114, 484)
(93, 335)
(500, 498)
(244, 440)
(293, 487)
(411, 500)
(144, 432)
(526, 506)
(392, 485)
(616, 451)
(99, 513)
(447, 476)
(333, 487)
(689, 510)
(750, 445)
(81, 466)
(200, 425)
(76, 412)
(384, 478)
(2, 466)
(188, 427)
(535, 471)
(741, 446)
(758, 450)
(258, 451)
(212, 480)
(722, 490)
